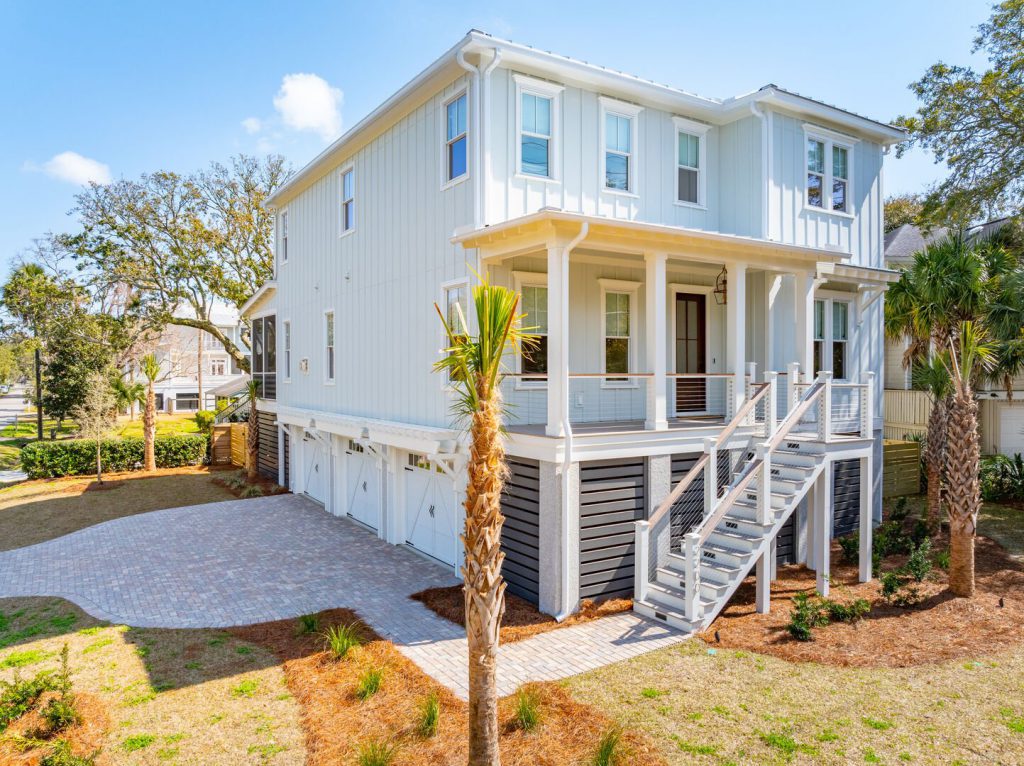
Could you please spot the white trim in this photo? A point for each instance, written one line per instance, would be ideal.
(553, 92)
(330, 381)
(282, 235)
(446, 182)
(619, 287)
(699, 130)
(828, 298)
(533, 279)
(830, 140)
(632, 113)
(342, 172)
(674, 289)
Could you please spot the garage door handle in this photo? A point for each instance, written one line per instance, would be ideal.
(431, 511)
(364, 486)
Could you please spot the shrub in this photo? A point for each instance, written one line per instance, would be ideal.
(76, 457)
(851, 548)
(527, 714)
(853, 612)
(340, 639)
(942, 560)
(204, 421)
(889, 538)
(430, 715)
(369, 683)
(891, 583)
(61, 755)
(900, 511)
(308, 623)
(251, 491)
(807, 613)
(376, 753)
(898, 591)
(17, 697)
(608, 749)
(1002, 477)
(59, 714)
(919, 565)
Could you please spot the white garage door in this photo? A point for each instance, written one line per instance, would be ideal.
(1011, 429)
(363, 485)
(314, 455)
(430, 516)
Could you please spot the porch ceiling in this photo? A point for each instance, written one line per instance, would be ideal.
(552, 227)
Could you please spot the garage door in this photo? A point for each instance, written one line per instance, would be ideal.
(1011, 430)
(316, 466)
(430, 510)
(363, 485)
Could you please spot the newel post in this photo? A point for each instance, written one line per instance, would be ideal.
(771, 407)
(643, 557)
(794, 379)
(825, 408)
(764, 486)
(691, 551)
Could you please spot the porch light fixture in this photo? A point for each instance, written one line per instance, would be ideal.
(722, 287)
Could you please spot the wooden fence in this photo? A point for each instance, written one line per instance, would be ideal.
(901, 468)
(239, 450)
(906, 413)
(220, 444)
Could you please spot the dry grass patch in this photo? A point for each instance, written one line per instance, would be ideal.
(1005, 525)
(337, 722)
(35, 511)
(742, 708)
(521, 619)
(170, 696)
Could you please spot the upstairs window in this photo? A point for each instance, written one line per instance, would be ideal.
(284, 236)
(348, 200)
(287, 348)
(217, 367)
(619, 142)
(329, 346)
(691, 161)
(456, 142)
(828, 170)
(535, 309)
(535, 135)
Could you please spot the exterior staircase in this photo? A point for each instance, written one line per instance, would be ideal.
(686, 576)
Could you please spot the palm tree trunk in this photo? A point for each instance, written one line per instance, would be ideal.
(252, 442)
(963, 457)
(935, 457)
(484, 586)
(149, 430)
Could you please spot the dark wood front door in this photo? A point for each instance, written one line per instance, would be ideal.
(691, 352)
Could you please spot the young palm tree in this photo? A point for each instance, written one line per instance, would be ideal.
(127, 394)
(931, 376)
(474, 365)
(970, 356)
(151, 370)
(252, 432)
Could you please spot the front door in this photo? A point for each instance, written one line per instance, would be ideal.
(691, 352)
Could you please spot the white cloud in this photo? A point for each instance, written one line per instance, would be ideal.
(309, 102)
(252, 125)
(74, 168)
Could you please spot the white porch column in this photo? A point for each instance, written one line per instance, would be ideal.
(656, 289)
(281, 470)
(805, 323)
(736, 331)
(763, 596)
(866, 517)
(558, 341)
(823, 529)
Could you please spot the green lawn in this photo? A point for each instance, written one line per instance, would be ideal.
(26, 428)
(165, 425)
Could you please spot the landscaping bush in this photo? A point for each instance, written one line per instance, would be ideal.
(74, 457)
(852, 613)
(807, 613)
(204, 421)
(1002, 477)
(850, 547)
(919, 565)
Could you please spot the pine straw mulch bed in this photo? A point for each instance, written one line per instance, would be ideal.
(228, 473)
(19, 745)
(521, 619)
(940, 628)
(336, 723)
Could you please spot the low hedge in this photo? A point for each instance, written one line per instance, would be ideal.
(74, 457)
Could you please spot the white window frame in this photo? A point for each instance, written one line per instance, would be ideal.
(553, 92)
(447, 183)
(329, 381)
(532, 279)
(462, 282)
(342, 231)
(700, 131)
(632, 289)
(829, 298)
(283, 235)
(222, 364)
(286, 349)
(830, 139)
(632, 113)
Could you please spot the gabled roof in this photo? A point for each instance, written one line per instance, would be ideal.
(902, 242)
(571, 71)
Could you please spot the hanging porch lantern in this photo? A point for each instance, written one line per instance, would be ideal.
(722, 287)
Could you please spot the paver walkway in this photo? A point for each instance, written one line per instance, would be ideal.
(248, 561)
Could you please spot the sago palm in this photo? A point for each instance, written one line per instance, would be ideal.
(970, 356)
(931, 376)
(474, 365)
(252, 432)
(151, 370)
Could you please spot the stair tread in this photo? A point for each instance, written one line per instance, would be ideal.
(724, 549)
(677, 575)
(677, 592)
(669, 612)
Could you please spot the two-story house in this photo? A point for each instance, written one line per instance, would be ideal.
(704, 276)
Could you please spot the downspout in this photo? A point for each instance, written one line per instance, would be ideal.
(765, 180)
(567, 609)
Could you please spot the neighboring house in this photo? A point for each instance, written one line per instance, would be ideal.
(677, 255)
(184, 351)
(1001, 415)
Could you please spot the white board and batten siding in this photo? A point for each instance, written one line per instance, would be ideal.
(381, 280)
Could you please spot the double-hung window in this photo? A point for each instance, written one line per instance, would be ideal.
(456, 138)
(619, 141)
(348, 200)
(618, 303)
(287, 348)
(829, 170)
(456, 309)
(536, 149)
(533, 360)
(284, 235)
(217, 367)
(329, 346)
(691, 161)
(832, 337)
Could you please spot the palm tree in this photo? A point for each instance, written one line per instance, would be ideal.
(151, 369)
(127, 394)
(967, 360)
(930, 375)
(474, 365)
(252, 432)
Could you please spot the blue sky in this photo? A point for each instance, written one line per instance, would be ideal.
(105, 89)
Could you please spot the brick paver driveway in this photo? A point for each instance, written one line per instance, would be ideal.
(249, 561)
